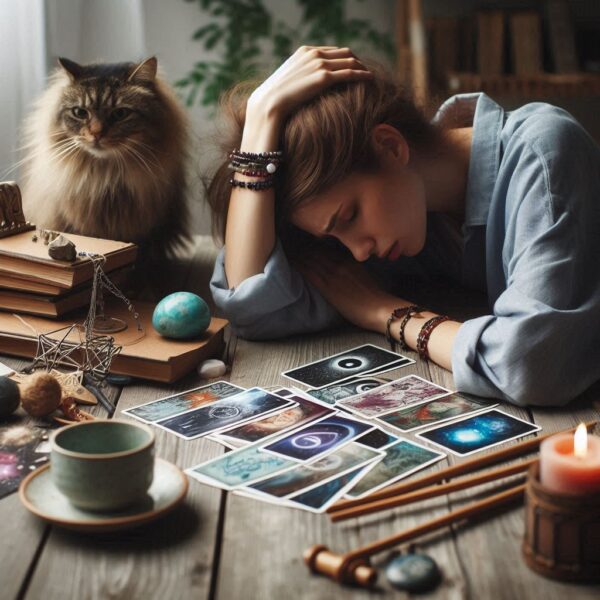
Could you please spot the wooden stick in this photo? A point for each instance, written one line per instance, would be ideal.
(459, 469)
(431, 492)
(353, 567)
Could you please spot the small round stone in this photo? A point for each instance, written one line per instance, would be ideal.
(9, 397)
(413, 573)
(115, 379)
(271, 168)
(211, 368)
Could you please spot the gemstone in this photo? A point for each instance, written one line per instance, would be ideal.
(211, 368)
(181, 315)
(413, 572)
(271, 168)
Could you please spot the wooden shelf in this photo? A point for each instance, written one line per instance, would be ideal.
(542, 85)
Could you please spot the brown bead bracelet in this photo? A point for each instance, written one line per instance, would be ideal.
(406, 312)
(425, 333)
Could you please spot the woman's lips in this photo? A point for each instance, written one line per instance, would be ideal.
(394, 252)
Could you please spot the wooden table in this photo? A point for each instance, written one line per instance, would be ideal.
(222, 546)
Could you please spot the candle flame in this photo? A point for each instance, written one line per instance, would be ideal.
(580, 443)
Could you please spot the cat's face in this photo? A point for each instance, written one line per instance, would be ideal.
(109, 110)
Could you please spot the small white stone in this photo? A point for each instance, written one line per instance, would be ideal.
(271, 168)
(211, 368)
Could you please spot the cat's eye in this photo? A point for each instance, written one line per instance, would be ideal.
(120, 113)
(79, 112)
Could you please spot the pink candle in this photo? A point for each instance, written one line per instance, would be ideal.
(570, 464)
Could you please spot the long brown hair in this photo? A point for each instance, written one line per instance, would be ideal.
(323, 142)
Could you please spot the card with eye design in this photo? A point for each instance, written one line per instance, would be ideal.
(342, 366)
(318, 438)
(304, 477)
(406, 391)
(170, 406)
(223, 414)
(478, 432)
(401, 460)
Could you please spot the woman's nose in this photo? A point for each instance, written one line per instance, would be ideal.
(361, 248)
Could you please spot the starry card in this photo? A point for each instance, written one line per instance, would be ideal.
(339, 367)
(478, 432)
(170, 406)
(223, 414)
(406, 391)
(318, 438)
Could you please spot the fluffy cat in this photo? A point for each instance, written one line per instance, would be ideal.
(107, 146)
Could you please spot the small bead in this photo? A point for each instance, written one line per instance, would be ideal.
(271, 168)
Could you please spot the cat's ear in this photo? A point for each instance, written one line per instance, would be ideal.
(144, 72)
(73, 70)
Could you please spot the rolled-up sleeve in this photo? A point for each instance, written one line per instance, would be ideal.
(272, 304)
(541, 345)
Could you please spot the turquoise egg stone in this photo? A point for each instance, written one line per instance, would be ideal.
(181, 315)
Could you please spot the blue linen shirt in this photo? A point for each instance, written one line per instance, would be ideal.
(530, 240)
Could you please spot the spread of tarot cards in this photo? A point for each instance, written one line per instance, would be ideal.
(344, 436)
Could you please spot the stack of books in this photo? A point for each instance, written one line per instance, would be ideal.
(40, 295)
(33, 283)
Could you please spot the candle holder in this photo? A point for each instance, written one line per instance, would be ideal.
(562, 532)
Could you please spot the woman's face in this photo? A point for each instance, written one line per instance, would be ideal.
(377, 214)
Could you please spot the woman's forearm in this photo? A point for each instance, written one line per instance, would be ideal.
(250, 231)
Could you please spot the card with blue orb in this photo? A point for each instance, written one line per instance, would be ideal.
(478, 432)
(361, 360)
(318, 438)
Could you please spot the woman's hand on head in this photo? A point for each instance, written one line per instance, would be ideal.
(349, 288)
(309, 71)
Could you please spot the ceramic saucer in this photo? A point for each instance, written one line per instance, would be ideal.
(39, 495)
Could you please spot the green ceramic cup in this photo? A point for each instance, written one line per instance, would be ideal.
(102, 465)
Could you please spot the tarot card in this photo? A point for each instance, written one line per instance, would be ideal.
(401, 459)
(239, 467)
(304, 477)
(377, 438)
(393, 396)
(190, 400)
(319, 499)
(403, 362)
(356, 385)
(224, 413)
(305, 411)
(436, 411)
(19, 453)
(342, 366)
(478, 432)
(318, 438)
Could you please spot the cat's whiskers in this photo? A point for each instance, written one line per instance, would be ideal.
(137, 158)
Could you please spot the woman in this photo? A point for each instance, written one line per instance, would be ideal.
(506, 203)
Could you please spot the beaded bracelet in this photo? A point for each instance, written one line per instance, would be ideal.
(412, 310)
(270, 155)
(252, 185)
(396, 314)
(425, 333)
(249, 172)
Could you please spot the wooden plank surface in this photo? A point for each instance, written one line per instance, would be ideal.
(227, 547)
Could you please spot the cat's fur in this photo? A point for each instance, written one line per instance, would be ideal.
(107, 150)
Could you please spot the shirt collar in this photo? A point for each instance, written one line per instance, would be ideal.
(479, 111)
